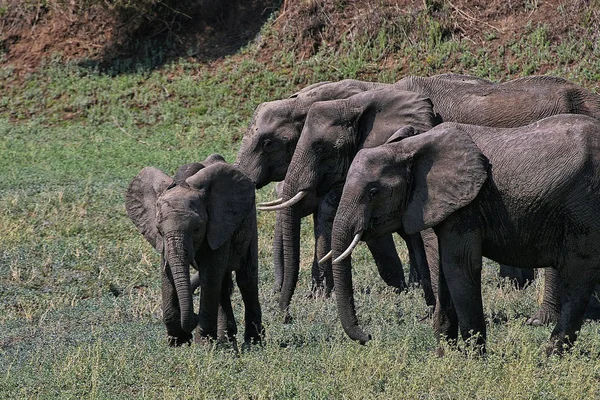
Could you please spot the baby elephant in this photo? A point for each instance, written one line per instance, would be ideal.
(204, 217)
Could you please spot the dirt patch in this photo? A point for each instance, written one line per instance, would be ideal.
(101, 33)
(207, 32)
(69, 34)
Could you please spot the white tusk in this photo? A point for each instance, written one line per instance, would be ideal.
(327, 257)
(299, 196)
(349, 249)
(270, 203)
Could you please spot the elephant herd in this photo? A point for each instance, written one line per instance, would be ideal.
(460, 167)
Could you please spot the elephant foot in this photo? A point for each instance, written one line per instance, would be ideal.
(288, 319)
(252, 343)
(177, 341)
(427, 317)
(544, 316)
(440, 352)
(552, 348)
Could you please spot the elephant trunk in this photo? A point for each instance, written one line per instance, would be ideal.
(290, 225)
(342, 237)
(249, 167)
(178, 259)
(300, 184)
(278, 262)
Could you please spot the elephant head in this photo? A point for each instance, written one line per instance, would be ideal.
(270, 141)
(409, 184)
(201, 208)
(334, 131)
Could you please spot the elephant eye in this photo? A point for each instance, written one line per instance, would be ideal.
(321, 150)
(373, 192)
(267, 144)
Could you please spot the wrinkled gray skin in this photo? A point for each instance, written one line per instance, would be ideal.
(204, 217)
(270, 141)
(310, 206)
(264, 156)
(509, 104)
(526, 197)
(267, 149)
(333, 132)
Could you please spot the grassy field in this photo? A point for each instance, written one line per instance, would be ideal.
(79, 286)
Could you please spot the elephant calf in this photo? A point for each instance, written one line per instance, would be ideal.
(206, 217)
(527, 197)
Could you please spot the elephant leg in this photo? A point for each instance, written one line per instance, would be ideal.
(324, 225)
(278, 254)
(578, 285)
(319, 271)
(520, 277)
(551, 302)
(226, 326)
(195, 281)
(445, 319)
(387, 261)
(171, 314)
(247, 280)
(212, 264)
(593, 309)
(418, 258)
(461, 263)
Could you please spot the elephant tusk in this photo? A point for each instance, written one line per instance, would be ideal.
(299, 196)
(349, 249)
(326, 257)
(270, 203)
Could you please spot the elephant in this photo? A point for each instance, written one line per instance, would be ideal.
(509, 104)
(267, 148)
(525, 196)
(505, 105)
(264, 156)
(333, 132)
(463, 99)
(204, 216)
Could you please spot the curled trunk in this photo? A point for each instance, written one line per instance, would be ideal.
(177, 258)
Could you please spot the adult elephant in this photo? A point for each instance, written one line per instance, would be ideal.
(266, 151)
(504, 105)
(205, 216)
(509, 104)
(333, 132)
(455, 98)
(265, 154)
(524, 196)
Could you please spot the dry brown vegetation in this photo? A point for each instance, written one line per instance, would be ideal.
(32, 30)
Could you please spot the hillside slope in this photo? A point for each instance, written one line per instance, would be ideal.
(418, 36)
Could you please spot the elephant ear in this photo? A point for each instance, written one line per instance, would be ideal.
(327, 91)
(213, 159)
(447, 172)
(401, 134)
(379, 113)
(229, 196)
(185, 171)
(140, 202)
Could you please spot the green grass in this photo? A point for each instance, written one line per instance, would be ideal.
(79, 286)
